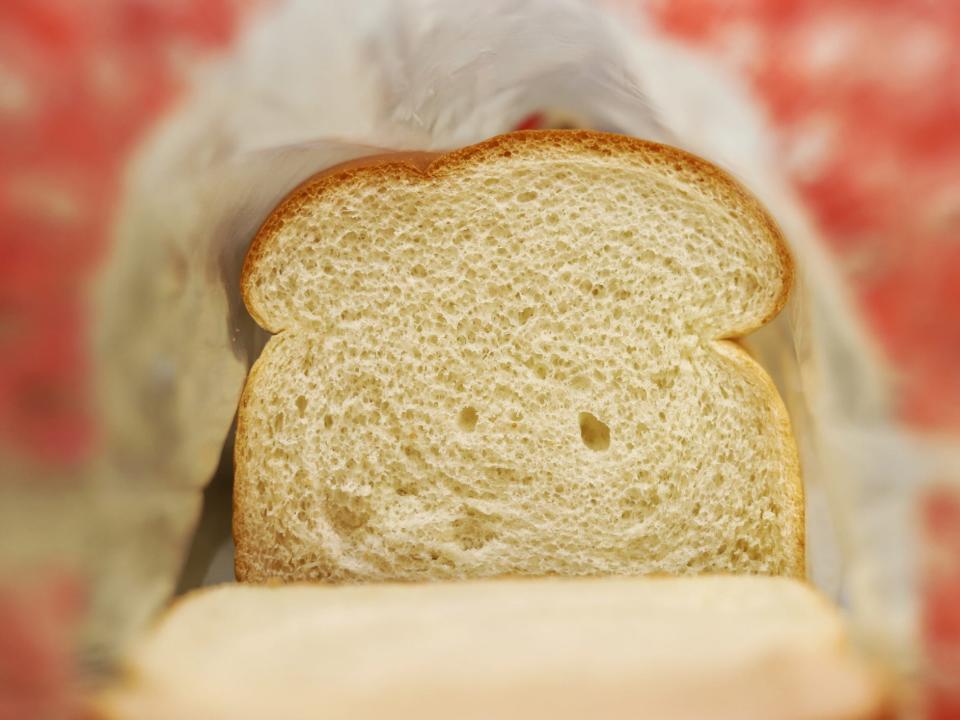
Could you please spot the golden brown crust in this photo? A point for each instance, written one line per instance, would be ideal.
(241, 567)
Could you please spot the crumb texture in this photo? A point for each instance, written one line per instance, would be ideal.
(513, 364)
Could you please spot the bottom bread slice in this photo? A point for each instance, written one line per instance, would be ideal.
(714, 646)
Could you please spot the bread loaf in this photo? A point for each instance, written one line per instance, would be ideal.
(516, 358)
(725, 648)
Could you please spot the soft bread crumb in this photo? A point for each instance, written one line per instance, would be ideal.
(510, 364)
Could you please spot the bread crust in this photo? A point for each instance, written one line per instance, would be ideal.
(241, 567)
(420, 166)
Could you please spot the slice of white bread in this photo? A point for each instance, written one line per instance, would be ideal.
(737, 647)
(515, 359)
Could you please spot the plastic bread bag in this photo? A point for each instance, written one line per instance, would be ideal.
(308, 85)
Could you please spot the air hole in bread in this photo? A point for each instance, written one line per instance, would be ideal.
(467, 419)
(405, 489)
(301, 405)
(595, 434)
(343, 514)
(473, 530)
(328, 421)
(665, 379)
